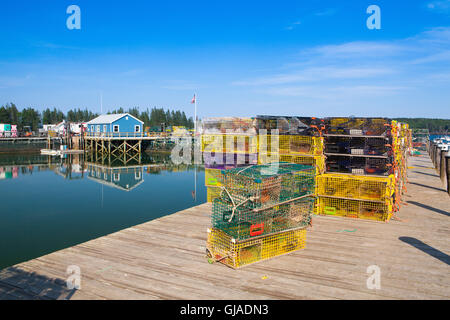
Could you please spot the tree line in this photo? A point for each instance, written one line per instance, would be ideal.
(157, 117)
(154, 117)
(433, 125)
(10, 114)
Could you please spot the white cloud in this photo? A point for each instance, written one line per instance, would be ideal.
(441, 6)
(50, 45)
(293, 25)
(326, 13)
(360, 69)
(318, 74)
(441, 56)
(180, 85)
(358, 48)
(132, 72)
(8, 82)
(336, 92)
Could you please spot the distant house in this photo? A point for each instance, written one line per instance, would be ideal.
(115, 123)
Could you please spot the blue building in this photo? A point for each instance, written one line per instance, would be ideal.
(115, 123)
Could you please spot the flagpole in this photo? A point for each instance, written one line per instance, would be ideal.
(195, 114)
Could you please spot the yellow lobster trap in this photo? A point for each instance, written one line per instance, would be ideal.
(291, 144)
(370, 210)
(355, 187)
(212, 193)
(229, 143)
(317, 162)
(213, 177)
(223, 248)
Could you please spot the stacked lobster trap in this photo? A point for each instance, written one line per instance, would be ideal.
(291, 139)
(262, 211)
(402, 144)
(361, 169)
(360, 164)
(226, 142)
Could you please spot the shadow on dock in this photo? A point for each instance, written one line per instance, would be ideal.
(427, 174)
(427, 249)
(425, 186)
(17, 284)
(446, 213)
(421, 166)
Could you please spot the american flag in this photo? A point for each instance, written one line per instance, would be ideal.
(193, 99)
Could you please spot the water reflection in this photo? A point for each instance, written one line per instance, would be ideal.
(110, 171)
(50, 203)
(126, 178)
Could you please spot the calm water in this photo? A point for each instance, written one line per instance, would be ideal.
(48, 204)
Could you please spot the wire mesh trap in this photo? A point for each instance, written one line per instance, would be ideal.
(230, 143)
(235, 254)
(358, 126)
(228, 160)
(356, 187)
(306, 126)
(247, 222)
(316, 161)
(380, 211)
(268, 185)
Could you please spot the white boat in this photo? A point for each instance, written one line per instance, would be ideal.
(50, 152)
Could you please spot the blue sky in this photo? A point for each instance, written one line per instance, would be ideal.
(242, 58)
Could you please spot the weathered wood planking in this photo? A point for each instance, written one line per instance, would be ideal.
(165, 258)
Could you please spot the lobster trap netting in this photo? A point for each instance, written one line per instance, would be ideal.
(359, 165)
(291, 144)
(228, 160)
(213, 177)
(245, 222)
(235, 254)
(221, 125)
(357, 145)
(356, 187)
(306, 126)
(212, 193)
(358, 126)
(229, 143)
(265, 185)
(371, 210)
(316, 161)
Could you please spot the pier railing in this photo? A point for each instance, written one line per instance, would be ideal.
(447, 164)
(122, 134)
(441, 161)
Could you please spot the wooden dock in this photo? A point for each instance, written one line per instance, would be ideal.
(165, 258)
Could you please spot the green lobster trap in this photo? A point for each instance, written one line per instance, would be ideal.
(268, 185)
(246, 222)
